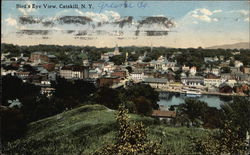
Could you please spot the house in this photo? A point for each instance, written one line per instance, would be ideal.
(226, 76)
(108, 81)
(224, 64)
(209, 82)
(106, 56)
(215, 71)
(158, 83)
(211, 59)
(52, 58)
(109, 66)
(193, 70)
(185, 68)
(23, 75)
(73, 71)
(120, 73)
(238, 64)
(243, 77)
(169, 64)
(193, 81)
(39, 57)
(93, 74)
(163, 114)
(49, 66)
(137, 75)
(235, 70)
(222, 58)
(98, 64)
(246, 70)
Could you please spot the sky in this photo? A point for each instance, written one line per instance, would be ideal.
(179, 24)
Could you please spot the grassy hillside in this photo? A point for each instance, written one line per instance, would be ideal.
(88, 128)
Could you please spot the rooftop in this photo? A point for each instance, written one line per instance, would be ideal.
(159, 113)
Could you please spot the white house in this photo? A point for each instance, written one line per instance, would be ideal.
(193, 81)
(193, 70)
(238, 64)
(137, 75)
(69, 72)
(158, 83)
(209, 82)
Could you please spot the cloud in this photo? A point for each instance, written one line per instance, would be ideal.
(11, 21)
(217, 11)
(240, 15)
(204, 14)
(107, 16)
(27, 11)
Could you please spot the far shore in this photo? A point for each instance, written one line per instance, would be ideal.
(202, 93)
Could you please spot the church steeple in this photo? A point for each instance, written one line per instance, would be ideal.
(116, 51)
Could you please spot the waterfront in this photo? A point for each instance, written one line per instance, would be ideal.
(167, 99)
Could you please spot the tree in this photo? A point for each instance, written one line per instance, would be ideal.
(143, 106)
(137, 90)
(131, 139)
(108, 97)
(194, 110)
(13, 123)
(118, 59)
(78, 90)
(226, 141)
(238, 112)
(14, 88)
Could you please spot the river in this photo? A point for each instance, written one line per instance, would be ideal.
(167, 99)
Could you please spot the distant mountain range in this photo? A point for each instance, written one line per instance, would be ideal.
(243, 45)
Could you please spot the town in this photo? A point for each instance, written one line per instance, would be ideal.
(68, 96)
(218, 75)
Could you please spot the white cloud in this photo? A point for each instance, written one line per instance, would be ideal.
(241, 12)
(206, 11)
(204, 14)
(244, 12)
(217, 11)
(27, 11)
(215, 19)
(246, 19)
(11, 21)
(101, 17)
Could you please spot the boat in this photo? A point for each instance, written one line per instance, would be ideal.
(192, 93)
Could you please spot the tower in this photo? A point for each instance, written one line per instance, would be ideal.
(116, 51)
(151, 48)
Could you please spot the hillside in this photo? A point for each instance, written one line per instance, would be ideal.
(87, 128)
(242, 45)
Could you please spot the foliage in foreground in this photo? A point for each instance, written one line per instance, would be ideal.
(132, 138)
(88, 128)
(226, 141)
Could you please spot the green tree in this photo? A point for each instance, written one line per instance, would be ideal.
(108, 97)
(118, 59)
(143, 106)
(194, 110)
(226, 141)
(137, 90)
(238, 112)
(131, 139)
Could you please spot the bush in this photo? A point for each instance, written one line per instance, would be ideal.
(132, 138)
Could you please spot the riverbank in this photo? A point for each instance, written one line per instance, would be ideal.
(202, 92)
